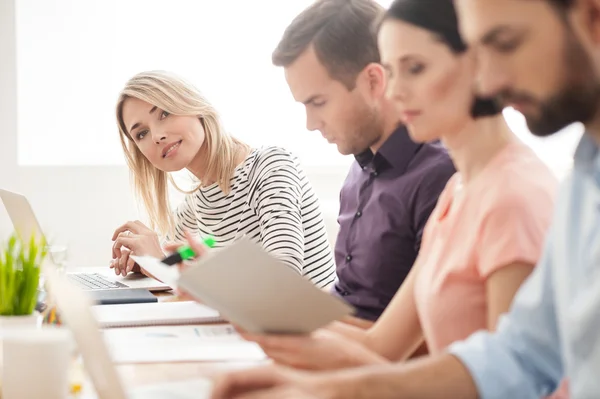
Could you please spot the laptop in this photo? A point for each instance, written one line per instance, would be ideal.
(74, 306)
(25, 222)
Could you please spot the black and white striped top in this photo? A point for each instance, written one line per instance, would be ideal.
(271, 201)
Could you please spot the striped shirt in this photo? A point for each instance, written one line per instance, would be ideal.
(271, 201)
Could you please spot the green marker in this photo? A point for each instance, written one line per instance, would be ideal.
(186, 252)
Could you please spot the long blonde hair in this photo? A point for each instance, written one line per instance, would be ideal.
(171, 93)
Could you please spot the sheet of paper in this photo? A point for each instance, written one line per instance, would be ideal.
(165, 350)
(161, 313)
(221, 332)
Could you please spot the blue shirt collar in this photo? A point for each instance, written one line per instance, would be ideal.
(587, 157)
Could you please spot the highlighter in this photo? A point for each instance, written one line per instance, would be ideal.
(186, 252)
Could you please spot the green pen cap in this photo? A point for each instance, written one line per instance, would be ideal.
(209, 241)
(186, 252)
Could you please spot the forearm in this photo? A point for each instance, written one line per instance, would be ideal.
(439, 377)
(357, 322)
(349, 331)
(393, 351)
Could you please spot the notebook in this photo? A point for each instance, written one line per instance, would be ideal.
(154, 314)
(253, 289)
(114, 297)
(169, 350)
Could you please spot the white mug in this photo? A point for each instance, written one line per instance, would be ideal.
(36, 364)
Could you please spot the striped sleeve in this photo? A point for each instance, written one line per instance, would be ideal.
(277, 202)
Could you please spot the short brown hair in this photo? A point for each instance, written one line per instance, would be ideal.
(341, 32)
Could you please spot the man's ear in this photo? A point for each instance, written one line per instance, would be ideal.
(585, 17)
(376, 80)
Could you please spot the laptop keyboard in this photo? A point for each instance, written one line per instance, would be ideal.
(93, 281)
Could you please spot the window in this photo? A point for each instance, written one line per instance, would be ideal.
(74, 56)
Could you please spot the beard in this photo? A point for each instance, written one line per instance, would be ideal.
(576, 100)
(365, 129)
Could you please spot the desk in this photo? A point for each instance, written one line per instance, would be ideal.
(137, 375)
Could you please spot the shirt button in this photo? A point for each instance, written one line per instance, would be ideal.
(358, 214)
(348, 257)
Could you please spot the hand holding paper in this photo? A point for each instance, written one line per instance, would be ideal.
(253, 289)
(162, 269)
(195, 249)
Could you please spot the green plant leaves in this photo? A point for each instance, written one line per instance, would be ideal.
(20, 264)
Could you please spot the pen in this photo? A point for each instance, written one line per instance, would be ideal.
(186, 252)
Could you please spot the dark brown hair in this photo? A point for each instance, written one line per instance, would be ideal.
(340, 33)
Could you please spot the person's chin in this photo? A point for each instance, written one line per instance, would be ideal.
(420, 135)
(345, 150)
(174, 166)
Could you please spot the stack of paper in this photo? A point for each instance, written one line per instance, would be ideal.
(154, 314)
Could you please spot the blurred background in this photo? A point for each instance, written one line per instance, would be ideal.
(63, 63)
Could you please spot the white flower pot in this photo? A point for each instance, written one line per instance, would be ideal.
(11, 323)
(14, 322)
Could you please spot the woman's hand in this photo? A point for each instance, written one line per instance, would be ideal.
(321, 350)
(199, 249)
(133, 238)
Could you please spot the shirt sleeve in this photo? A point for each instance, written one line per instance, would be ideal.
(277, 202)
(514, 230)
(522, 359)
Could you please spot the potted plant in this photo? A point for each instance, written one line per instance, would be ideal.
(20, 265)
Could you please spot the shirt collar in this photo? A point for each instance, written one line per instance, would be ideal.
(587, 156)
(396, 151)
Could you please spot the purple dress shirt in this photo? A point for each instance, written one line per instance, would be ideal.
(384, 205)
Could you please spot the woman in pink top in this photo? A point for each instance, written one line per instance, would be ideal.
(487, 231)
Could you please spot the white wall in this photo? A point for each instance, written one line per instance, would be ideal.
(80, 206)
(8, 107)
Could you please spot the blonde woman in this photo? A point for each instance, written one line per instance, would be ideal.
(166, 125)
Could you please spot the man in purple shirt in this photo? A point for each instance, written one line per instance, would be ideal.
(331, 62)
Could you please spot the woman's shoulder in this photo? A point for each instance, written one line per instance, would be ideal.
(522, 180)
(274, 152)
(269, 158)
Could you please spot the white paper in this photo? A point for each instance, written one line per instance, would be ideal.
(255, 290)
(161, 313)
(221, 332)
(165, 350)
